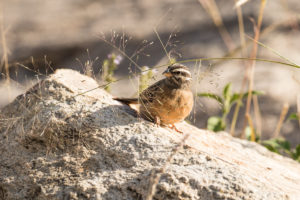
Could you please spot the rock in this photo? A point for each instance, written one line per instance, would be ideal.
(57, 142)
(57, 34)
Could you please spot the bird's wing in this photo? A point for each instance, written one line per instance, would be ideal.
(152, 92)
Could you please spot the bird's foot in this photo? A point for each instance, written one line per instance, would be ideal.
(174, 128)
(157, 121)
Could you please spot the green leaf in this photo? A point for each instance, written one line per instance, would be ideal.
(285, 144)
(212, 96)
(248, 133)
(297, 153)
(227, 91)
(215, 124)
(254, 92)
(227, 97)
(298, 149)
(293, 116)
(278, 145)
(236, 96)
(270, 146)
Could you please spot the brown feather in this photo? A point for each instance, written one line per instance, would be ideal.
(127, 101)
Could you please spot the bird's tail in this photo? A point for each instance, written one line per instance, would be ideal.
(127, 101)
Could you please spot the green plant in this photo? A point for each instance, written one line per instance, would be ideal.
(145, 77)
(249, 134)
(293, 116)
(216, 123)
(108, 69)
(277, 145)
(283, 147)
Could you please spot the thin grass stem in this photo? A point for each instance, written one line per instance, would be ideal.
(253, 55)
(121, 52)
(4, 61)
(194, 60)
(244, 54)
(284, 111)
(212, 9)
(162, 44)
(257, 113)
(248, 117)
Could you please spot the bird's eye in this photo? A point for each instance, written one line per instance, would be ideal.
(177, 73)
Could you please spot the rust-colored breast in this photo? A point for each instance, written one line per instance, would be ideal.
(170, 106)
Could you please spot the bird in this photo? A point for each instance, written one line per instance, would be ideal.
(167, 101)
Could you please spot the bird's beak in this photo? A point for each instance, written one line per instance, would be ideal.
(167, 73)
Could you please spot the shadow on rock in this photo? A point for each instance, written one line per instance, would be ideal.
(118, 115)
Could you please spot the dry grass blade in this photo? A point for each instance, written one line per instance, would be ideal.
(237, 107)
(4, 61)
(239, 3)
(195, 60)
(248, 117)
(212, 9)
(253, 55)
(237, 58)
(120, 51)
(265, 32)
(284, 111)
(244, 54)
(241, 30)
(258, 118)
(272, 50)
(163, 46)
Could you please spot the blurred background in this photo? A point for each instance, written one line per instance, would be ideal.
(38, 37)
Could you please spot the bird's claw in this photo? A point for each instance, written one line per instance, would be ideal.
(174, 128)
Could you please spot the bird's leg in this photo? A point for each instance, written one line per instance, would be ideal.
(174, 128)
(157, 121)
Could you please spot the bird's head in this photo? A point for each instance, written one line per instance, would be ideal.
(178, 74)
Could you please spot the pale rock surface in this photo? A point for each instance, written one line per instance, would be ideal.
(56, 144)
(59, 32)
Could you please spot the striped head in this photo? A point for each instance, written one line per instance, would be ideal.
(178, 75)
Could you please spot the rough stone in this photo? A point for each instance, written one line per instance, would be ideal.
(57, 142)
